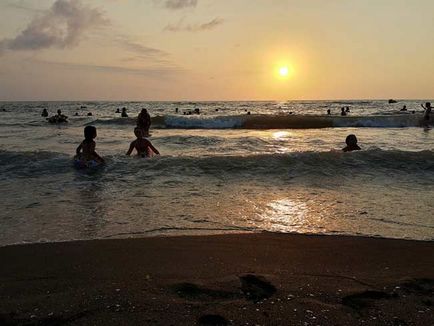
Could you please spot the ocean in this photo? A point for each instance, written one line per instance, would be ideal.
(279, 168)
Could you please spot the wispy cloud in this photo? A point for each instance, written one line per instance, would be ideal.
(139, 48)
(165, 71)
(62, 25)
(179, 4)
(182, 27)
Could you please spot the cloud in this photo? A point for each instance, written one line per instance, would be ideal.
(141, 49)
(179, 4)
(181, 27)
(165, 71)
(63, 25)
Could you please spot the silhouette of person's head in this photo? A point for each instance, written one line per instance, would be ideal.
(428, 105)
(138, 132)
(59, 112)
(351, 141)
(89, 133)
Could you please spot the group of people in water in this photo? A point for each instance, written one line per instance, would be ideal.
(426, 115)
(86, 156)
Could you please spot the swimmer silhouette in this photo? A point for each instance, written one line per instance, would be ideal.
(343, 113)
(351, 142)
(124, 113)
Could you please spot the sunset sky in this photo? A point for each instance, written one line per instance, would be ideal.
(216, 49)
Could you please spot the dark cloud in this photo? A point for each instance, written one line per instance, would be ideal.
(181, 27)
(179, 4)
(63, 25)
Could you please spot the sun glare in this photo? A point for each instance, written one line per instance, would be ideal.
(283, 71)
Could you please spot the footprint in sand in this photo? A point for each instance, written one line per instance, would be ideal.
(253, 288)
(256, 288)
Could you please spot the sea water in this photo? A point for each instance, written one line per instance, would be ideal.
(279, 168)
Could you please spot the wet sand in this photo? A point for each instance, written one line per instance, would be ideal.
(238, 279)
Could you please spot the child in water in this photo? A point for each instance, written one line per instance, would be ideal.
(143, 146)
(86, 150)
(351, 141)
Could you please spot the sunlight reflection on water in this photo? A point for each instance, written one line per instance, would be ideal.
(285, 215)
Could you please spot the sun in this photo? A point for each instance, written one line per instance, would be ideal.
(283, 71)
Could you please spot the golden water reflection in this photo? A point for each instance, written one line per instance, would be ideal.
(285, 214)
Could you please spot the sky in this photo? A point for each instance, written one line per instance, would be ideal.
(174, 50)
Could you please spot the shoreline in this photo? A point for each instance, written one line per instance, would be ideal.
(223, 233)
(256, 278)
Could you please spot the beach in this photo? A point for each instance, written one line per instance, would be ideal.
(238, 279)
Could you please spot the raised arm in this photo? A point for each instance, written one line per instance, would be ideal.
(153, 148)
(130, 150)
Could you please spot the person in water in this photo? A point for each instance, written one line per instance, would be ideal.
(404, 108)
(118, 111)
(86, 150)
(351, 142)
(143, 146)
(329, 112)
(428, 109)
(343, 113)
(44, 113)
(144, 121)
(347, 109)
(124, 113)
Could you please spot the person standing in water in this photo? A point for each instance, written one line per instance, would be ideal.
(143, 146)
(144, 121)
(124, 113)
(44, 113)
(427, 113)
(351, 142)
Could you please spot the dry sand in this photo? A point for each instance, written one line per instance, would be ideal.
(238, 279)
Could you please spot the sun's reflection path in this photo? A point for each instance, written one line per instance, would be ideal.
(285, 215)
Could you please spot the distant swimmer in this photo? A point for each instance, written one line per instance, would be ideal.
(85, 152)
(124, 113)
(329, 112)
(144, 121)
(404, 108)
(351, 142)
(58, 118)
(427, 112)
(176, 110)
(347, 109)
(89, 114)
(343, 113)
(76, 114)
(118, 111)
(143, 146)
(44, 113)
(196, 111)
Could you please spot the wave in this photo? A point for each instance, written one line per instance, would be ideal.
(299, 164)
(263, 121)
